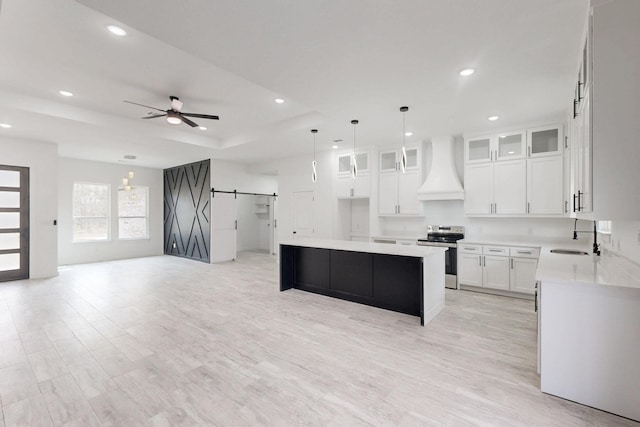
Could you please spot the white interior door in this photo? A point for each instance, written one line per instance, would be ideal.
(223, 227)
(302, 216)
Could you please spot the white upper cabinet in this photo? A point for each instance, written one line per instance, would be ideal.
(346, 185)
(398, 191)
(544, 194)
(510, 145)
(510, 188)
(545, 141)
(478, 150)
(389, 161)
(502, 178)
(478, 189)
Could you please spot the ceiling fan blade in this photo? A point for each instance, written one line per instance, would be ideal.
(146, 106)
(153, 116)
(201, 116)
(189, 122)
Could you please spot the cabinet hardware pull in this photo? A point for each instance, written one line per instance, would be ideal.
(566, 206)
(580, 193)
(495, 208)
(566, 142)
(580, 84)
(575, 109)
(512, 263)
(495, 250)
(528, 207)
(236, 224)
(524, 252)
(485, 260)
(480, 260)
(470, 249)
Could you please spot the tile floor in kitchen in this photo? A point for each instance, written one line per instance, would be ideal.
(167, 341)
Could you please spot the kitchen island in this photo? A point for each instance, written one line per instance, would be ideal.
(402, 278)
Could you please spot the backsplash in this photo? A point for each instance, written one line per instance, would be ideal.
(452, 213)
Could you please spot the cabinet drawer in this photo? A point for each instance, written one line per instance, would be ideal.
(524, 252)
(496, 250)
(470, 249)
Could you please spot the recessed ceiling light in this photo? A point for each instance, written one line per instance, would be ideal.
(65, 93)
(408, 133)
(5, 125)
(493, 118)
(279, 101)
(114, 29)
(502, 136)
(202, 127)
(467, 72)
(334, 146)
(511, 152)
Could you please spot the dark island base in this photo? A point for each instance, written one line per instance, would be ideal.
(391, 282)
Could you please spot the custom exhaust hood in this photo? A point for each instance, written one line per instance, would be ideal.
(442, 183)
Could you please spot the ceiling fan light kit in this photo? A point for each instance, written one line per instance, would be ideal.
(174, 115)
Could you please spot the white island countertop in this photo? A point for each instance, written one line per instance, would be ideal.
(374, 248)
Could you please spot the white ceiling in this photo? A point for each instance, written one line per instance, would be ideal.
(331, 60)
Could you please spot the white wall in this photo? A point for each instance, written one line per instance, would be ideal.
(253, 228)
(73, 170)
(294, 174)
(42, 160)
(624, 239)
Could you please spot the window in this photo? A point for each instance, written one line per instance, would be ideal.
(91, 212)
(133, 212)
(604, 227)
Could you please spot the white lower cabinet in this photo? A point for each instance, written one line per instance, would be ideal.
(497, 267)
(470, 269)
(523, 275)
(495, 272)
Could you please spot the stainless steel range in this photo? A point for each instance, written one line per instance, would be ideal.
(445, 236)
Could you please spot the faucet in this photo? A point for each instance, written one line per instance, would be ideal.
(596, 247)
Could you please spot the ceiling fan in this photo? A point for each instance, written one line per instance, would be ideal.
(174, 115)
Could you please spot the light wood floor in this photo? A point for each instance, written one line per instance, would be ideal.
(166, 341)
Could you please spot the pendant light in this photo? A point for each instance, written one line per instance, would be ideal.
(403, 161)
(314, 173)
(354, 166)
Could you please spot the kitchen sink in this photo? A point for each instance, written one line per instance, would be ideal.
(568, 252)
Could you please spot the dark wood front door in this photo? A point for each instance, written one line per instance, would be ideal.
(14, 223)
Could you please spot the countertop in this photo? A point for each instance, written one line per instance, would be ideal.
(609, 269)
(376, 248)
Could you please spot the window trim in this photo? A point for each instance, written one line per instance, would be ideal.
(146, 217)
(108, 217)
